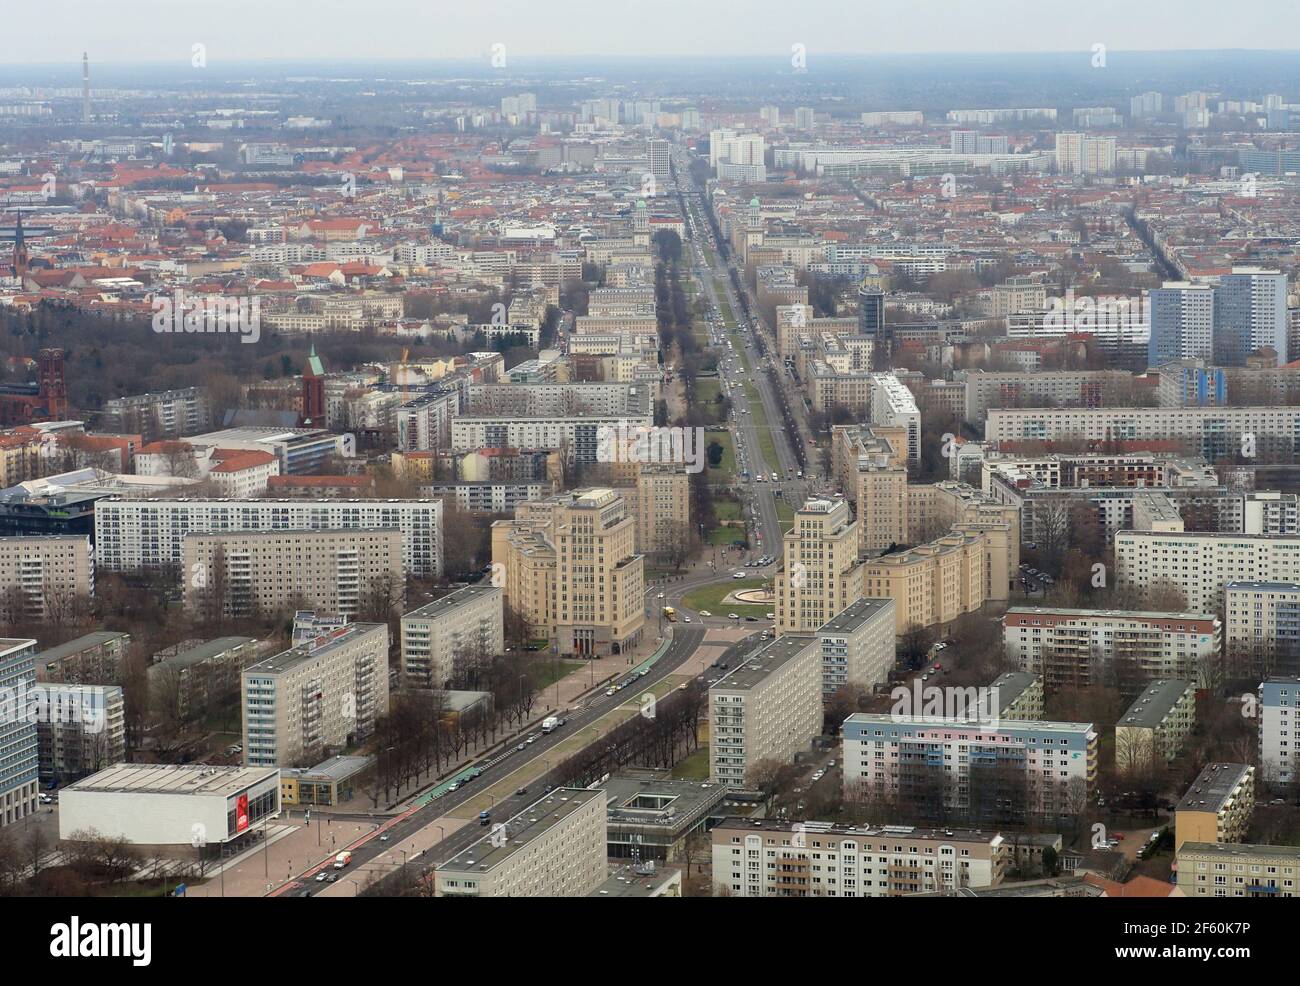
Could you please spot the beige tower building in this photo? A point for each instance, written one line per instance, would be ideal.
(661, 504)
(821, 575)
(570, 566)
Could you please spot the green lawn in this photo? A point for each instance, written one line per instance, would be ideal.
(710, 597)
(785, 514)
(547, 671)
(727, 508)
(695, 767)
(765, 444)
(725, 470)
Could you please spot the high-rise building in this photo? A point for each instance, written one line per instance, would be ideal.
(553, 848)
(572, 571)
(322, 694)
(1279, 730)
(858, 646)
(821, 575)
(240, 574)
(465, 624)
(49, 574)
(82, 730)
(659, 152)
(1262, 628)
(767, 708)
(19, 757)
(1182, 322)
(1249, 315)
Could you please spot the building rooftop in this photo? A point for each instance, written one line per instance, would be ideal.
(314, 647)
(159, 778)
(1214, 786)
(453, 600)
(1150, 708)
(759, 665)
(1244, 850)
(206, 650)
(519, 830)
(70, 647)
(857, 614)
(1010, 685)
(992, 837)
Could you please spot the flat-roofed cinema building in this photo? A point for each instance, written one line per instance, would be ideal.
(1208, 869)
(170, 804)
(771, 858)
(553, 848)
(323, 694)
(766, 708)
(858, 645)
(466, 622)
(1218, 805)
(1155, 727)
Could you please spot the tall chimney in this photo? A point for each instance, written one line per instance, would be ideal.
(85, 87)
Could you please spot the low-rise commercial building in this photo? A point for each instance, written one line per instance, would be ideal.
(170, 805)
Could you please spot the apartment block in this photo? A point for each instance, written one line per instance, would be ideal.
(1151, 733)
(1019, 695)
(937, 582)
(821, 574)
(239, 574)
(554, 848)
(82, 730)
(858, 645)
(92, 659)
(770, 858)
(1202, 565)
(1208, 869)
(1262, 627)
(985, 389)
(19, 759)
(661, 505)
(1081, 647)
(766, 708)
(318, 697)
(48, 574)
(1279, 731)
(1218, 805)
(1214, 432)
(468, 622)
(156, 416)
(192, 677)
(893, 405)
(975, 768)
(150, 533)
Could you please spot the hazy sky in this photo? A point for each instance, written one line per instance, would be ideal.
(56, 31)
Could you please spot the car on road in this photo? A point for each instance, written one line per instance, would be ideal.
(770, 616)
(686, 619)
(733, 616)
(661, 595)
(384, 837)
(521, 747)
(521, 790)
(705, 612)
(322, 876)
(738, 575)
(611, 691)
(454, 786)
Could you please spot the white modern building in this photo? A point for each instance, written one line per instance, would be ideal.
(858, 646)
(170, 805)
(150, 533)
(466, 623)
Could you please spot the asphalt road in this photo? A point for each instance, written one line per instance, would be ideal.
(496, 765)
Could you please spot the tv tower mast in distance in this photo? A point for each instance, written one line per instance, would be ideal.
(85, 87)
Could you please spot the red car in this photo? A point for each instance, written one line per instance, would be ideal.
(1120, 836)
